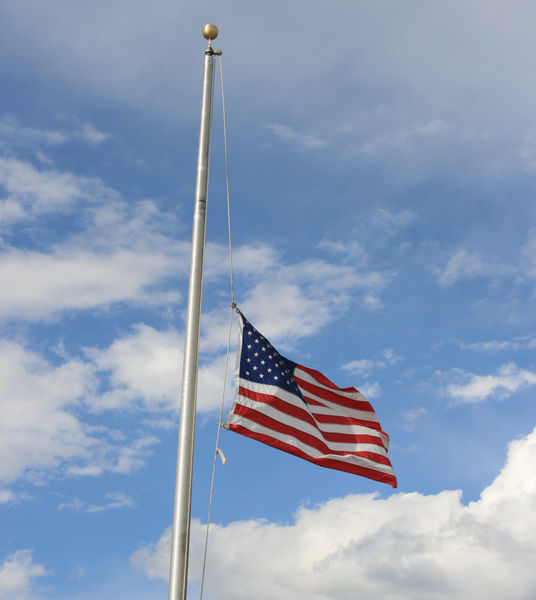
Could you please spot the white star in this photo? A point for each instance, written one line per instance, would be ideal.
(248, 359)
(263, 362)
(254, 368)
(261, 375)
(249, 345)
(269, 370)
(257, 341)
(276, 377)
(256, 354)
(250, 332)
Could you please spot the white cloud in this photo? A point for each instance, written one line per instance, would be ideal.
(32, 192)
(17, 575)
(353, 251)
(248, 259)
(463, 265)
(37, 429)
(363, 367)
(119, 255)
(91, 134)
(366, 366)
(41, 285)
(495, 346)
(144, 370)
(14, 134)
(470, 388)
(307, 141)
(410, 418)
(407, 546)
(392, 222)
(125, 252)
(113, 500)
(370, 390)
(404, 139)
(41, 429)
(144, 367)
(7, 496)
(294, 301)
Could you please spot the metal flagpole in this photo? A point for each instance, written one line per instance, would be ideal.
(180, 537)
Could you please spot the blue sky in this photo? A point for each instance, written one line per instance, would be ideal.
(382, 163)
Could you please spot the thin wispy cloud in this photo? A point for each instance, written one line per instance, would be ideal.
(114, 500)
(496, 346)
(366, 366)
(404, 139)
(464, 265)
(306, 141)
(14, 135)
(411, 417)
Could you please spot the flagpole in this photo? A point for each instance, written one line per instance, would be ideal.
(180, 536)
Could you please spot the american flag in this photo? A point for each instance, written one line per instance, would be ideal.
(300, 411)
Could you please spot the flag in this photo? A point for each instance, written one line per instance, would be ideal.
(298, 410)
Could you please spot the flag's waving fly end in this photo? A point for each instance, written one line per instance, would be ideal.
(300, 411)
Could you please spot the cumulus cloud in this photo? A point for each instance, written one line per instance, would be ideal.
(17, 575)
(41, 429)
(143, 370)
(405, 547)
(42, 285)
(294, 301)
(467, 387)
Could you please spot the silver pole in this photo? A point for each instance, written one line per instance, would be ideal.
(180, 537)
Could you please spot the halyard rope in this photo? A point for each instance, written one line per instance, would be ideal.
(233, 306)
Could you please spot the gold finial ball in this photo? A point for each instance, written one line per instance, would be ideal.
(210, 32)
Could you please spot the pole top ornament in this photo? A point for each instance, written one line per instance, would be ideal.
(210, 32)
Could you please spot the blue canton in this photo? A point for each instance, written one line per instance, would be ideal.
(260, 362)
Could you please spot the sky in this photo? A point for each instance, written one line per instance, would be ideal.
(382, 160)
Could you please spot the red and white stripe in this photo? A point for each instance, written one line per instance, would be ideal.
(335, 427)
